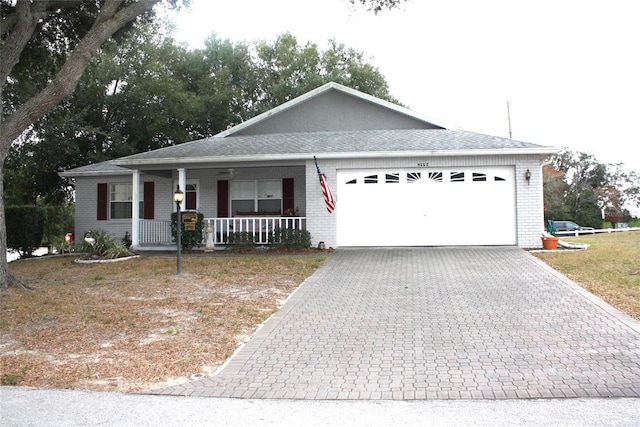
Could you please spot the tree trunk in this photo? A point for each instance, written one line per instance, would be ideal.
(6, 278)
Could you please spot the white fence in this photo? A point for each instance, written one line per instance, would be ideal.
(602, 230)
(156, 232)
(260, 227)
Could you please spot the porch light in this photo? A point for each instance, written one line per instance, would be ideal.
(178, 197)
(527, 176)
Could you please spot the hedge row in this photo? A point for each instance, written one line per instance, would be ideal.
(25, 228)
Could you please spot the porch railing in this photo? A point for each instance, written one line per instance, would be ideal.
(158, 232)
(155, 232)
(260, 227)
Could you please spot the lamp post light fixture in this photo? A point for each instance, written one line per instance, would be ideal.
(527, 176)
(178, 197)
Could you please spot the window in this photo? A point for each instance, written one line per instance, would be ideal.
(457, 176)
(435, 176)
(413, 177)
(120, 201)
(392, 178)
(191, 197)
(256, 196)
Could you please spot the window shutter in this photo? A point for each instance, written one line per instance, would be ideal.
(149, 199)
(103, 201)
(287, 194)
(223, 198)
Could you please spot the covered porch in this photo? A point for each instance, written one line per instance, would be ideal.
(246, 201)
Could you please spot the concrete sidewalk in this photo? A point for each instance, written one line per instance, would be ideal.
(434, 323)
(26, 407)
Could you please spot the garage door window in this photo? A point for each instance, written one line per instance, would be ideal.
(479, 177)
(413, 177)
(457, 176)
(435, 176)
(392, 178)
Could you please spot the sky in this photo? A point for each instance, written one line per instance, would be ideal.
(569, 70)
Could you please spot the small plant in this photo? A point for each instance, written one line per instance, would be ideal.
(291, 238)
(12, 379)
(62, 247)
(100, 244)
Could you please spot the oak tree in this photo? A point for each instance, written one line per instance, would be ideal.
(69, 33)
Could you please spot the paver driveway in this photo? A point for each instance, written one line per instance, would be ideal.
(434, 323)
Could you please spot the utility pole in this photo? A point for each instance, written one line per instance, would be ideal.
(509, 118)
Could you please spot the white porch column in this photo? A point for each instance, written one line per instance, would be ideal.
(135, 210)
(182, 180)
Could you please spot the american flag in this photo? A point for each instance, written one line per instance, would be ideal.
(326, 191)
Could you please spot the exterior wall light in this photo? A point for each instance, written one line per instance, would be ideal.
(527, 176)
(178, 197)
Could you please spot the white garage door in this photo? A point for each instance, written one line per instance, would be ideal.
(426, 207)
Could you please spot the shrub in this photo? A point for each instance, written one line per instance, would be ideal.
(291, 238)
(242, 240)
(188, 238)
(58, 220)
(98, 243)
(25, 227)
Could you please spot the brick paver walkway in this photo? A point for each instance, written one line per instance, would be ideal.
(434, 323)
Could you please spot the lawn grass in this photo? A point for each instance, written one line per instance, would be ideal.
(610, 268)
(135, 324)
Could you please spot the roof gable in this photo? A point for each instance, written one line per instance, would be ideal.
(332, 107)
(332, 121)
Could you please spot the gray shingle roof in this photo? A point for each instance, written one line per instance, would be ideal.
(102, 168)
(335, 144)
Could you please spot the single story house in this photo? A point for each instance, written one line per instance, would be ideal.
(398, 179)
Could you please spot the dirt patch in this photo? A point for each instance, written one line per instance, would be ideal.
(135, 325)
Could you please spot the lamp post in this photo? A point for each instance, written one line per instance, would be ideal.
(178, 197)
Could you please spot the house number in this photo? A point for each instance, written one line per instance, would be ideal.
(423, 165)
